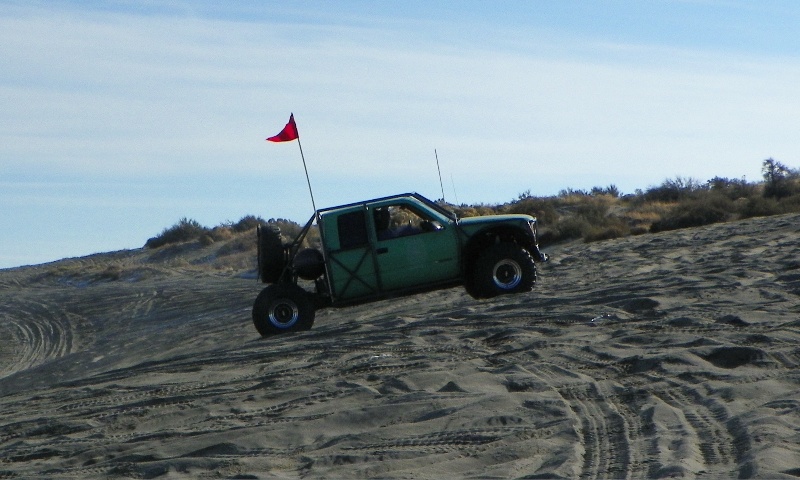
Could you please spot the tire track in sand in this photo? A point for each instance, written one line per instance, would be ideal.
(722, 440)
(33, 333)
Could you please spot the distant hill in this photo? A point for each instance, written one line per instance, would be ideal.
(597, 214)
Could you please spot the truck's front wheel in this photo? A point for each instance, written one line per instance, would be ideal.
(282, 308)
(503, 268)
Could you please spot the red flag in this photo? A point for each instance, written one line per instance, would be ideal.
(288, 133)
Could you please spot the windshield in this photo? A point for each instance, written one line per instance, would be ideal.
(437, 207)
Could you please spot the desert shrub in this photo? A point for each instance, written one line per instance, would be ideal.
(613, 228)
(289, 229)
(246, 223)
(759, 207)
(594, 210)
(696, 212)
(544, 209)
(567, 193)
(779, 180)
(569, 228)
(790, 204)
(236, 261)
(112, 272)
(640, 218)
(206, 240)
(465, 211)
(217, 234)
(587, 218)
(610, 190)
(183, 231)
(601, 225)
(239, 244)
(673, 190)
(732, 188)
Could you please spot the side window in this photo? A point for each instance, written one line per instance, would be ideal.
(397, 221)
(352, 230)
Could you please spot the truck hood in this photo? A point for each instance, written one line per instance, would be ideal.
(489, 219)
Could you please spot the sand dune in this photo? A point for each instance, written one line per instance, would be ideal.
(667, 355)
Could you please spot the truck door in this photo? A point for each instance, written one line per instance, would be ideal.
(351, 258)
(413, 249)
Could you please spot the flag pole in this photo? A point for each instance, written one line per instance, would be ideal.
(313, 204)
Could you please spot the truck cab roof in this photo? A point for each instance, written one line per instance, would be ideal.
(391, 199)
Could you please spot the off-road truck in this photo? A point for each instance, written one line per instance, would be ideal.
(388, 247)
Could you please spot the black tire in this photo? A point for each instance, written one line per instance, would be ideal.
(469, 284)
(271, 255)
(281, 309)
(503, 268)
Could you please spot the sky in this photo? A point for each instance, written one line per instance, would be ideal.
(119, 118)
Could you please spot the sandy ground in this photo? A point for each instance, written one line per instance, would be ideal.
(668, 355)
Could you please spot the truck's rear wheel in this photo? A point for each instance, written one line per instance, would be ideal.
(503, 268)
(283, 308)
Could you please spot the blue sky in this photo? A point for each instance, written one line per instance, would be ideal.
(120, 118)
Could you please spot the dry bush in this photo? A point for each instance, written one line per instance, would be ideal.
(112, 272)
(183, 231)
(612, 228)
(758, 206)
(644, 217)
(791, 204)
(242, 243)
(733, 188)
(248, 222)
(673, 190)
(780, 181)
(221, 233)
(568, 228)
(641, 217)
(696, 212)
(466, 211)
(544, 209)
(236, 260)
(206, 240)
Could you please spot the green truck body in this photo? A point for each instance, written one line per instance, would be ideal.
(388, 247)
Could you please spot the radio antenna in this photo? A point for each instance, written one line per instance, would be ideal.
(441, 185)
(454, 188)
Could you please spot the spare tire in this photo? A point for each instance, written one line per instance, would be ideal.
(271, 254)
(309, 264)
